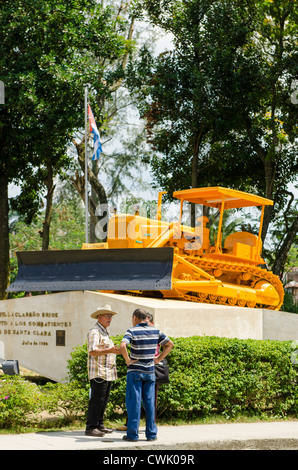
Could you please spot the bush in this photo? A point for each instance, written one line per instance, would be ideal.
(208, 375)
(289, 304)
(67, 398)
(19, 400)
(77, 366)
(214, 375)
(230, 377)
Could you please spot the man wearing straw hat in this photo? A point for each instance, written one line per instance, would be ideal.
(101, 370)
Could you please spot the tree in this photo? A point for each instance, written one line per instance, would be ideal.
(67, 227)
(265, 131)
(48, 52)
(122, 159)
(219, 108)
(175, 96)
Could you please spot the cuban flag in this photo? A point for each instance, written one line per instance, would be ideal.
(94, 131)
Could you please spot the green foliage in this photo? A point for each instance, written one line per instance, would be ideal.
(289, 304)
(218, 107)
(22, 402)
(77, 366)
(19, 399)
(70, 399)
(230, 376)
(49, 52)
(214, 375)
(67, 232)
(208, 375)
(67, 225)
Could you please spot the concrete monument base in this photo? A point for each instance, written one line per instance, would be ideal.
(41, 331)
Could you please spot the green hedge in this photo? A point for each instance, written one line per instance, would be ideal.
(25, 404)
(19, 401)
(214, 375)
(208, 375)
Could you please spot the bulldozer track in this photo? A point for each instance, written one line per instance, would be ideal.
(253, 275)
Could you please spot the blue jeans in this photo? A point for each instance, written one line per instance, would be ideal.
(140, 387)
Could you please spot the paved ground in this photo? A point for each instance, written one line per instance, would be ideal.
(281, 435)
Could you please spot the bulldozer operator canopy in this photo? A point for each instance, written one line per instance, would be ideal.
(214, 197)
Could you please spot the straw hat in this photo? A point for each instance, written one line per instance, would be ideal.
(106, 309)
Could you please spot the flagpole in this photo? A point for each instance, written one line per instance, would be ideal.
(86, 166)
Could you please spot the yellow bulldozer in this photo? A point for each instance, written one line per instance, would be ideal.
(154, 258)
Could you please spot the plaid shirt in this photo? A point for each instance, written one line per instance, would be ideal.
(103, 366)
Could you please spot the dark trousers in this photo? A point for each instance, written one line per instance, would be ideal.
(100, 394)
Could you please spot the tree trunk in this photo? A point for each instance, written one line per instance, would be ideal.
(95, 202)
(98, 194)
(269, 174)
(45, 233)
(194, 173)
(269, 178)
(4, 237)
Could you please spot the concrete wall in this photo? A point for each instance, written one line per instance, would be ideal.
(281, 326)
(41, 331)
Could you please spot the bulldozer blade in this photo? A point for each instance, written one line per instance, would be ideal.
(113, 269)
